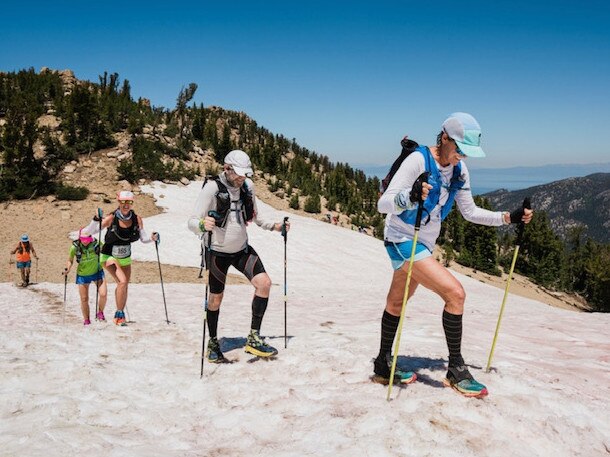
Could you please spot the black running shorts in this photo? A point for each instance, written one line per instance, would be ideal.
(246, 261)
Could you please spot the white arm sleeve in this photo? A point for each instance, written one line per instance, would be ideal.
(262, 223)
(206, 201)
(468, 208)
(405, 176)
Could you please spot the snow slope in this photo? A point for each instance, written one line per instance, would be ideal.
(136, 391)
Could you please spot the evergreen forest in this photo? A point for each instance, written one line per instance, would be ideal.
(162, 141)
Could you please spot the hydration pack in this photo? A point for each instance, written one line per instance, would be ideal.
(79, 249)
(408, 146)
(223, 202)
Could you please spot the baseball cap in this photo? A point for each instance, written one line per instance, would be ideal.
(25, 238)
(84, 236)
(466, 132)
(125, 195)
(240, 162)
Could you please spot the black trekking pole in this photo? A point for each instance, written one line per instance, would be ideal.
(99, 253)
(420, 207)
(161, 276)
(520, 229)
(63, 319)
(285, 235)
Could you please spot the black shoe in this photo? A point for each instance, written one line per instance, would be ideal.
(382, 369)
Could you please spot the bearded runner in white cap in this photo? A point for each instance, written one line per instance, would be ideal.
(448, 181)
(230, 198)
(124, 227)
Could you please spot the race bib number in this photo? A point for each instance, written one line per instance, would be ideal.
(121, 251)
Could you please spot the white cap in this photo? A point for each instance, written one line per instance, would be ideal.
(125, 195)
(466, 132)
(240, 162)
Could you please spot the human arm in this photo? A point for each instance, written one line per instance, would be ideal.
(200, 221)
(261, 222)
(468, 208)
(33, 251)
(70, 260)
(404, 190)
(144, 236)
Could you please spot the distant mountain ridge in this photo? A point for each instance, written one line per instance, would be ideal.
(488, 179)
(569, 202)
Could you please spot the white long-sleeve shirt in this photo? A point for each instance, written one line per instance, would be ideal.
(233, 237)
(411, 168)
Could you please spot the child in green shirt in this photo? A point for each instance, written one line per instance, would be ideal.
(86, 251)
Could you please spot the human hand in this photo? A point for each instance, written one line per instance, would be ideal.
(421, 188)
(156, 237)
(278, 226)
(208, 223)
(523, 214)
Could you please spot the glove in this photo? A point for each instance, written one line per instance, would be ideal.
(416, 191)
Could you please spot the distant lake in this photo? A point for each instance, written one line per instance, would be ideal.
(489, 179)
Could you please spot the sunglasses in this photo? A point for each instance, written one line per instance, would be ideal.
(458, 150)
(230, 169)
(126, 202)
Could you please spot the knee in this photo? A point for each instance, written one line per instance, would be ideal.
(456, 299)
(394, 305)
(264, 283)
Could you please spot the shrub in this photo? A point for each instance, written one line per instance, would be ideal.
(65, 192)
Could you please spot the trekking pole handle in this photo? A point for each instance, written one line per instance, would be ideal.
(521, 227)
(420, 208)
(284, 231)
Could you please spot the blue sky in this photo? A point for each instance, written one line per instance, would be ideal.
(348, 79)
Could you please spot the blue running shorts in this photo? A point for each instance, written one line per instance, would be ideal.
(401, 252)
(90, 278)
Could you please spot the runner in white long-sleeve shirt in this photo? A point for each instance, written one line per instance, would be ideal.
(224, 207)
(449, 181)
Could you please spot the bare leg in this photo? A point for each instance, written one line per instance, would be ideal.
(103, 291)
(121, 276)
(262, 285)
(83, 291)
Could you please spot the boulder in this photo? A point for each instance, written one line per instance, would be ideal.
(69, 169)
(185, 181)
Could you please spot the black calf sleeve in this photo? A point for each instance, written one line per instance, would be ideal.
(259, 306)
(389, 325)
(212, 317)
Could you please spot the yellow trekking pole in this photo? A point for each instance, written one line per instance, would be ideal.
(526, 204)
(424, 178)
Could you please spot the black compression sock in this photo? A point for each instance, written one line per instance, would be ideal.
(452, 324)
(389, 325)
(213, 322)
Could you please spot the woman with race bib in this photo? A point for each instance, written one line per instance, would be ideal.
(124, 227)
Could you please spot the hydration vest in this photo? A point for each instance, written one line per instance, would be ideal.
(435, 180)
(23, 252)
(79, 249)
(121, 235)
(224, 202)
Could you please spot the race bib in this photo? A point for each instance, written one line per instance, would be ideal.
(121, 251)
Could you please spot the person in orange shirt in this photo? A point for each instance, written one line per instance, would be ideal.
(24, 250)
